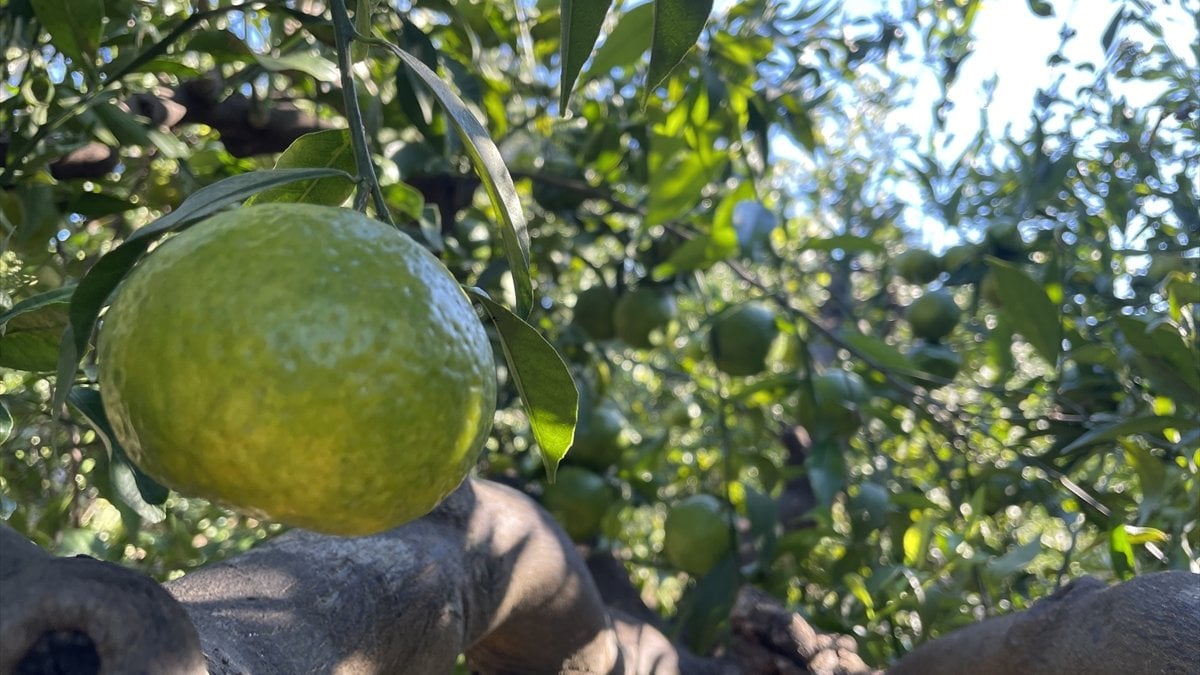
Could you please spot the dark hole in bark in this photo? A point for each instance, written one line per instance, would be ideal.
(60, 652)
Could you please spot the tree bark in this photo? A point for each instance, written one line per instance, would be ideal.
(490, 575)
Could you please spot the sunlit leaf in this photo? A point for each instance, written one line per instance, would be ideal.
(327, 149)
(581, 22)
(1146, 424)
(677, 25)
(492, 171)
(547, 390)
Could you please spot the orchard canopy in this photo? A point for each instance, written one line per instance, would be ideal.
(832, 331)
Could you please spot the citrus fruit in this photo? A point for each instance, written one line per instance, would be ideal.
(696, 534)
(741, 338)
(594, 312)
(299, 363)
(937, 360)
(578, 500)
(918, 266)
(933, 315)
(642, 315)
(839, 395)
(598, 438)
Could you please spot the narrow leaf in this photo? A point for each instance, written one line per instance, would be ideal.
(1029, 310)
(826, 471)
(139, 491)
(1148, 424)
(543, 381)
(581, 22)
(496, 179)
(328, 149)
(677, 26)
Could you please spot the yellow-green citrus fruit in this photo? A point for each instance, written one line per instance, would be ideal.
(937, 360)
(918, 266)
(989, 288)
(933, 315)
(643, 315)
(594, 312)
(302, 364)
(839, 394)
(1004, 239)
(741, 338)
(696, 534)
(578, 500)
(599, 441)
(957, 257)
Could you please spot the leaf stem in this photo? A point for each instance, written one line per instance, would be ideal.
(343, 34)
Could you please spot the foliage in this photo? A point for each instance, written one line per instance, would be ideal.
(1053, 433)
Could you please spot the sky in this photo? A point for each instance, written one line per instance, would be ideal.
(1012, 45)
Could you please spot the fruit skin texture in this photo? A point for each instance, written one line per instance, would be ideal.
(933, 315)
(642, 311)
(918, 266)
(741, 339)
(302, 364)
(578, 499)
(937, 360)
(696, 534)
(594, 312)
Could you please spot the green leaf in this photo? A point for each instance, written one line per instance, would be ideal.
(93, 290)
(496, 179)
(1162, 357)
(543, 381)
(1152, 476)
(1028, 309)
(329, 149)
(139, 491)
(1121, 552)
(75, 26)
(845, 242)
(581, 22)
(719, 243)
(881, 354)
(826, 471)
(1015, 560)
(309, 63)
(1146, 424)
(626, 43)
(363, 9)
(30, 332)
(916, 541)
(704, 613)
(677, 26)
